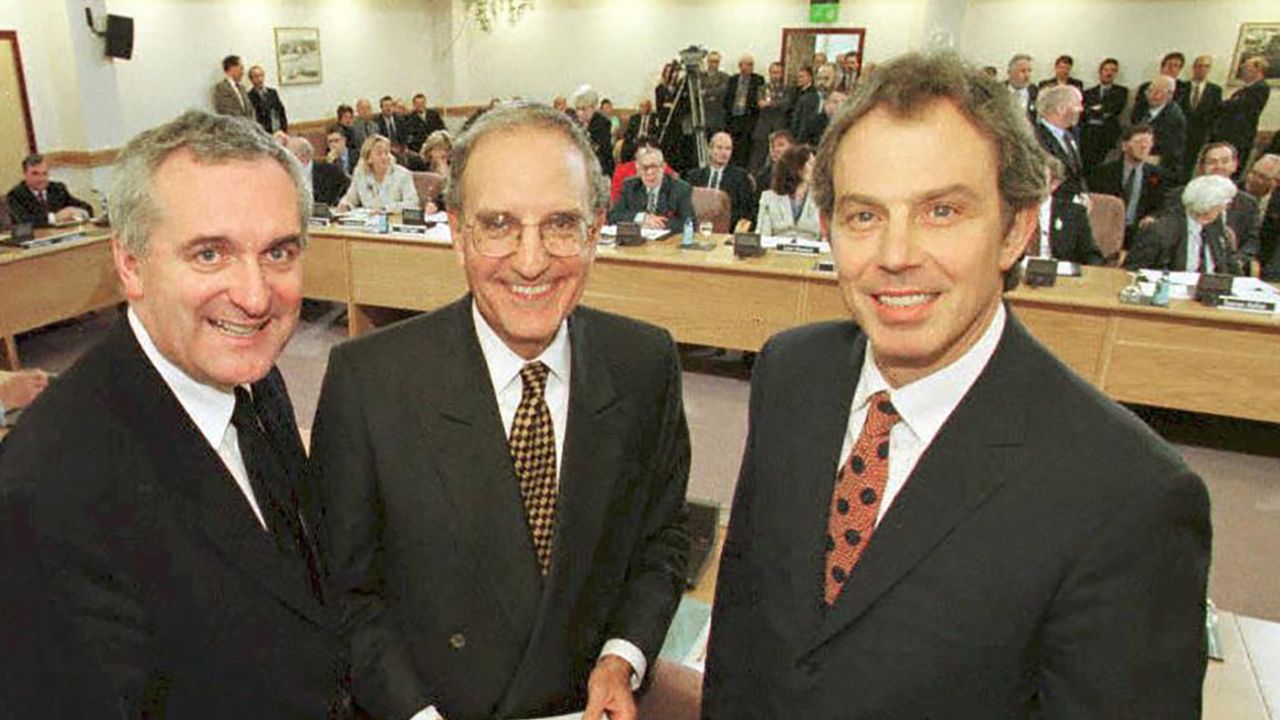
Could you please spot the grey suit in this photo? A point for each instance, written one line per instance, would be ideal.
(424, 528)
(228, 100)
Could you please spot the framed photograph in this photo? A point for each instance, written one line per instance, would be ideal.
(298, 55)
(1258, 39)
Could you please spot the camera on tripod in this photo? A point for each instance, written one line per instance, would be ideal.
(690, 90)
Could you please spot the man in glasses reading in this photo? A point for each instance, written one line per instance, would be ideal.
(502, 480)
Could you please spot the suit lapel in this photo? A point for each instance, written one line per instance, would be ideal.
(464, 441)
(966, 462)
(187, 463)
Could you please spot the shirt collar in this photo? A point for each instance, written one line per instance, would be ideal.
(505, 365)
(925, 404)
(209, 407)
(1057, 131)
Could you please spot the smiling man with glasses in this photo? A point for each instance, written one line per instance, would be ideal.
(503, 480)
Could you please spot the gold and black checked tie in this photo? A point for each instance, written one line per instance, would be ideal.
(533, 452)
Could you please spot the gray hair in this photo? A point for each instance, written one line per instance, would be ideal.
(909, 84)
(1054, 98)
(301, 149)
(585, 95)
(518, 116)
(210, 139)
(1207, 192)
(1016, 58)
(1161, 82)
(650, 150)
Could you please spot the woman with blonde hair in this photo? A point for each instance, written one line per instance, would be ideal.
(378, 183)
(435, 152)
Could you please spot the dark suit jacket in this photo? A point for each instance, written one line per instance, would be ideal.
(1242, 218)
(417, 129)
(425, 530)
(1014, 576)
(1108, 179)
(328, 182)
(1101, 125)
(1162, 245)
(396, 138)
(675, 202)
(1170, 139)
(632, 137)
(1201, 118)
(1269, 239)
(812, 128)
(263, 105)
(600, 133)
(807, 105)
(737, 183)
(1073, 183)
(1238, 117)
(148, 585)
(1181, 98)
(753, 97)
(1070, 235)
(25, 208)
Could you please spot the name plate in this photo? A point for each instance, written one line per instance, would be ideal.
(1259, 305)
(798, 249)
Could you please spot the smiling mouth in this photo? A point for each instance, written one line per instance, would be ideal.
(905, 300)
(530, 291)
(235, 329)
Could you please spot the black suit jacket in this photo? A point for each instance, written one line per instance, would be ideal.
(1181, 98)
(1014, 576)
(25, 208)
(1242, 217)
(328, 182)
(425, 530)
(264, 103)
(600, 133)
(1101, 125)
(675, 202)
(384, 128)
(1269, 239)
(417, 129)
(1074, 182)
(1157, 184)
(737, 183)
(753, 97)
(1070, 235)
(807, 105)
(148, 588)
(1170, 128)
(1162, 245)
(1201, 118)
(632, 136)
(1238, 117)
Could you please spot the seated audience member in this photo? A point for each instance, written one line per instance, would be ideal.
(586, 103)
(18, 389)
(628, 170)
(267, 108)
(1063, 232)
(435, 159)
(1187, 237)
(653, 199)
(733, 180)
(1170, 67)
(41, 201)
(1219, 158)
(1142, 186)
(390, 124)
(420, 122)
(642, 128)
(811, 133)
(1169, 124)
(787, 208)
(615, 122)
(1261, 181)
(378, 183)
(364, 124)
(1062, 75)
(346, 125)
(1103, 104)
(779, 141)
(1058, 109)
(339, 153)
(326, 181)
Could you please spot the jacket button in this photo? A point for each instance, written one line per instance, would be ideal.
(457, 641)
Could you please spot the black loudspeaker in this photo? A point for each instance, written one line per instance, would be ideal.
(120, 37)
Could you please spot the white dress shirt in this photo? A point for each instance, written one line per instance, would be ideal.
(1043, 248)
(504, 372)
(209, 408)
(1195, 249)
(923, 406)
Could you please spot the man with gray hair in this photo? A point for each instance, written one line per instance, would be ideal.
(1188, 237)
(325, 181)
(586, 102)
(503, 479)
(150, 504)
(913, 535)
(1018, 81)
(1058, 108)
(714, 84)
(1168, 123)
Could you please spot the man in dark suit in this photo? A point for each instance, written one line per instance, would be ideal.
(1063, 231)
(1203, 99)
(742, 108)
(339, 153)
(390, 125)
(41, 201)
(930, 545)
(1018, 82)
(807, 101)
(1188, 236)
(1058, 109)
(1103, 104)
(733, 180)
(506, 525)
(652, 198)
(1242, 216)
(267, 107)
(1170, 67)
(327, 181)
(1261, 181)
(1142, 186)
(1062, 74)
(814, 126)
(779, 141)
(1169, 125)
(1238, 116)
(642, 128)
(420, 123)
(586, 106)
(150, 496)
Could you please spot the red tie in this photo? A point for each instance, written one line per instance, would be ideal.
(856, 499)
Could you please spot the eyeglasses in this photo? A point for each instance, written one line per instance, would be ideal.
(498, 235)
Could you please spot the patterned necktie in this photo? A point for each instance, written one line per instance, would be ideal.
(715, 178)
(652, 205)
(855, 502)
(1195, 96)
(533, 453)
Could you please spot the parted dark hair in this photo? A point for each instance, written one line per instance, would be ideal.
(1173, 55)
(1139, 129)
(229, 62)
(1065, 59)
(31, 161)
(790, 169)
(1108, 61)
(345, 108)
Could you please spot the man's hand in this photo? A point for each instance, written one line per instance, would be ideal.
(20, 388)
(656, 222)
(70, 213)
(1148, 220)
(609, 690)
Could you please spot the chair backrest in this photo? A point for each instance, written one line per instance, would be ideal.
(1106, 218)
(713, 205)
(4, 214)
(428, 185)
(675, 694)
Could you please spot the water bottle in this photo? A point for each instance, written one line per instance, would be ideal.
(1161, 296)
(687, 240)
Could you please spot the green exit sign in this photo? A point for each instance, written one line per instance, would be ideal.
(824, 11)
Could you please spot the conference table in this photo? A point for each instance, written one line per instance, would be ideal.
(1186, 356)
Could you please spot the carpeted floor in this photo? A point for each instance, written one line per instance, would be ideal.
(1239, 460)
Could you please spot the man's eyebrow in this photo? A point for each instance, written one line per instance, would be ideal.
(960, 189)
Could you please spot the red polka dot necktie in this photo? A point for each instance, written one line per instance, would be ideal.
(856, 499)
(533, 453)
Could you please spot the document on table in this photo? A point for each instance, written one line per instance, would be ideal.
(646, 233)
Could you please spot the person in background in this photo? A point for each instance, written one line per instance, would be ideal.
(229, 96)
(338, 152)
(715, 83)
(326, 181)
(1103, 104)
(654, 199)
(627, 170)
(1018, 81)
(1238, 115)
(642, 129)
(787, 209)
(720, 174)
(378, 183)
(779, 141)
(267, 107)
(1141, 185)
(1169, 124)
(1187, 237)
(586, 104)
(435, 156)
(1062, 74)
(1180, 90)
(41, 201)
(776, 101)
(364, 124)
(420, 122)
(1203, 101)
(1242, 216)
(1063, 231)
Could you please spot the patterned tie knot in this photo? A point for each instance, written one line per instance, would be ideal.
(244, 415)
(534, 376)
(881, 414)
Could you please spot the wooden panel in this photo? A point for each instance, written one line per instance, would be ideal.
(50, 284)
(1074, 335)
(324, 269)
(823, 300)
(408, 275)
(1195, 365)
(15, 113)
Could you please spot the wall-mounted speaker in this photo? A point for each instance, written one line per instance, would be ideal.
(119, 37)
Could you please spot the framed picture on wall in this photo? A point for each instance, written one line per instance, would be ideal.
(1258, 39)
(298, 55)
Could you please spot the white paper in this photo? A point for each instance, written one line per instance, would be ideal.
(1175, 278)
(1247, 286)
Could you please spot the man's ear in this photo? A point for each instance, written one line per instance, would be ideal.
(1016, 238)
(127, 267)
